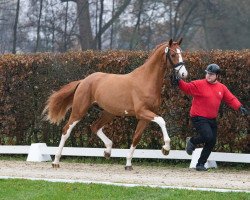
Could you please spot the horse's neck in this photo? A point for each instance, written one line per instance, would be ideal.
(154, 67)
(152, 72)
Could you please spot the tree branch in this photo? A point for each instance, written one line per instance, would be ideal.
(111, 21)
(68, 1)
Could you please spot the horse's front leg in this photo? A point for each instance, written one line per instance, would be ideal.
(142, 124)
(161, 122)
(149, 115)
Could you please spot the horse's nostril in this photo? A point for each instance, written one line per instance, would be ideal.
(183, 74)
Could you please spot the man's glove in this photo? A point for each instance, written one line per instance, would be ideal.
(244, 111)
(175, 80)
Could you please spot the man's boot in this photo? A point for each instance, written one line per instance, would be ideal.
(190, 147)
(200, 167)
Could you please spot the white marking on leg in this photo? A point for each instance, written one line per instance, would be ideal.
(62, 142)
(130, 156)
(160, 121)
(108, 143)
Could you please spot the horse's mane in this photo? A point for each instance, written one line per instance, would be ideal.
(157, 47)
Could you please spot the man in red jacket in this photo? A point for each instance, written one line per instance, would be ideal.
(207, 95)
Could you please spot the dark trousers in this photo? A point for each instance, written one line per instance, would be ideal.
(207, 134)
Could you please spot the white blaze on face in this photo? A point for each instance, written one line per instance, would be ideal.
(182, 72)
(179, 53)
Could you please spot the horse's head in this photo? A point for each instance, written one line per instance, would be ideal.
(174, 57)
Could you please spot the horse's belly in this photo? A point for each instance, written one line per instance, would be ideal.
(116, 105)
(115, 98)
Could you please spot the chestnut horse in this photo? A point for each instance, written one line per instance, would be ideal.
(134, 94)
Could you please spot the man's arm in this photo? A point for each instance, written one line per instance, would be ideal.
(191, 88)
(230, 99)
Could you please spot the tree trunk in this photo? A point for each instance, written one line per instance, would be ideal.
(100, 25)
(53, 32)
(112, 26)
(87, 40)
(65, 27)
(86, 37)
(39, 26)
(15, 27)
(111, 21)
(136, 32)
(170, 20)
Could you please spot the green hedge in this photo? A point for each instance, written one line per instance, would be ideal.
(26, 81)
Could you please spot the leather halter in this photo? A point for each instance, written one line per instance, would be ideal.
(167, 51)
(168, 57)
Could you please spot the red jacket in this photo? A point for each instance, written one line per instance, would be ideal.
(207, 97)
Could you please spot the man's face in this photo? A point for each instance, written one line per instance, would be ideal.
(211, 77)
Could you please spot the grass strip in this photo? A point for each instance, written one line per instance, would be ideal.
(39, 190)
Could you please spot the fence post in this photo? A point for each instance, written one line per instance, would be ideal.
(196, 155)
(36, 153)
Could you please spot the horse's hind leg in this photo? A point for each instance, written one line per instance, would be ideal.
(142, 124)
(80, 106)
(66, 133)
(97, 127)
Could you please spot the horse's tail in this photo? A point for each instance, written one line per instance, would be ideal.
(60, 102)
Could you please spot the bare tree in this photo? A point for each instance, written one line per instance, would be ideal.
(112, 26)
(15, 27)
(39, 26)
(84, 24)
(116, 15)
(49, 25)
(87, 40)
(65, 26)
(99, 39)
(222, 29)
(136, 30)
(7, 18)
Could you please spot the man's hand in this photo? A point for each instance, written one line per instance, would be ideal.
(244, 111)
(175, 80)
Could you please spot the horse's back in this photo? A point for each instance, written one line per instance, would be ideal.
(112, 92)
(102, 81)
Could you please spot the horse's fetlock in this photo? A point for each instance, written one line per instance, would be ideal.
(166, 146)
(167, 141)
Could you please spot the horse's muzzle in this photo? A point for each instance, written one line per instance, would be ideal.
(181, 71)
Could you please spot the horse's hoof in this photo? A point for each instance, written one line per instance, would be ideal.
(107, 155)
(165, 152)
(128, 168)
(55, 165)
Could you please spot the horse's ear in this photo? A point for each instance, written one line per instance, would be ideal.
(180, 41)
(170, 42)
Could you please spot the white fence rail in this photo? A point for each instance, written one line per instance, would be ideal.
(40, 149)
